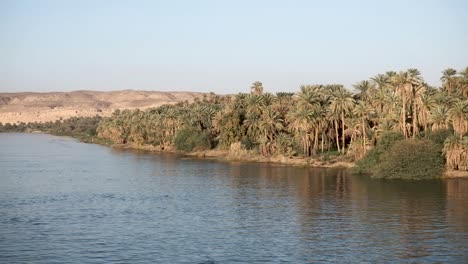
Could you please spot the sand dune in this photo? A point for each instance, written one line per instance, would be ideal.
(43, 107)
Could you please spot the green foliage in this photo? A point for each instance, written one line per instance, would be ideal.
(79, 127)
(248, 143)
(21, 127)
(286, 145)
(388, 139)
(411, 160)
(368, 164)
(189, 139)
(439, 136)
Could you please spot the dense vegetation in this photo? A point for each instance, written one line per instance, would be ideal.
(411, 159)
(317, 121)
(83, 128)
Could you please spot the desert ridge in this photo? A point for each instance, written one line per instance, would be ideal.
(51, 106)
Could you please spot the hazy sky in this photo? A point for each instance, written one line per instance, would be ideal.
(224, 46)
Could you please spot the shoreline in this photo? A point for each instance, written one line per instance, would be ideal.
(229, 156)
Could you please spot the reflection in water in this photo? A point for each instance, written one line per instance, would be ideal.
(457, 209)
(64, 201)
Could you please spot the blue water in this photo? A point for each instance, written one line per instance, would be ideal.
(62, 201)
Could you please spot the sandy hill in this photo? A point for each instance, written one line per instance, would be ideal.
(43, 107)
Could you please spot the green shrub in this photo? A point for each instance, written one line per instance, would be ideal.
(368, 164)
(189, 139)
(248, 143)
(411, 159)
(439, 136)
(388, 139)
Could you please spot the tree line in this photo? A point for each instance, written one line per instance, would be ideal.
(314, 120)
(83, 128)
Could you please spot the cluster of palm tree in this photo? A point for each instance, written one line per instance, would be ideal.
(158, 126)
(316, 119)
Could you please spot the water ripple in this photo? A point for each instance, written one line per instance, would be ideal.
(67, 202)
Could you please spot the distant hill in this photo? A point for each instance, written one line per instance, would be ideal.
(43, 107)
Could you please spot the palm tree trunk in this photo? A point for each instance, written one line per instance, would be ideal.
(403, 117)
(351, 142)
(342, 131)
(364, 135)
(337, 139)
(323, 138)
(316, 141)
(415, 121)
(306, 146)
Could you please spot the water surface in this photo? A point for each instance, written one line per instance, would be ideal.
(62, 201)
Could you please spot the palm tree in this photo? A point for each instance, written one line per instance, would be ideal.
(256, 88)
(417, 93)
(300, 126)
(365, 89)
(362, 110)
(427, 102)
(439, 118)
(456, 152)
(334, 118)
(256, 103)
(448, 79)
(463, 83)
(353, 130)
(252, 125)
(458, 115)
(403, 83)
(270, 124)
(341, 103)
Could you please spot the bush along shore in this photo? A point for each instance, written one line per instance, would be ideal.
(393, 126)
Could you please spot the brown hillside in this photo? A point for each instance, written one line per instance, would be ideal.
(43, 107)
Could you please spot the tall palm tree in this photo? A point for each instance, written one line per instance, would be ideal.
(256, 88)
(418, 90)
(403, 86)
(270, 125)
(252, 125)
(342, 103)
(448, 79)
(456, 152)
(463, 83)
(458, 115)
(362, 110)
(365, 89)
(439, 118)
(353, 130)
(427, 102)
(300, 125)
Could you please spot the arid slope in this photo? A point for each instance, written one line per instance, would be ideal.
(43, 107)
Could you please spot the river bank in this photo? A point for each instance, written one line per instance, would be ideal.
(235, 154)
(245, 156)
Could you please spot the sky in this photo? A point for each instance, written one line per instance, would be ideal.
(224, 46)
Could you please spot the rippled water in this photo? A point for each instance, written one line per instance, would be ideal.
(62, 201)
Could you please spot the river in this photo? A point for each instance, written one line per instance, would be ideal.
(62, 201)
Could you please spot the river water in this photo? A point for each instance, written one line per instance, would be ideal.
(62, 201)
